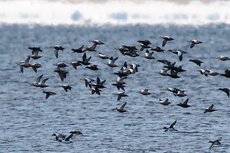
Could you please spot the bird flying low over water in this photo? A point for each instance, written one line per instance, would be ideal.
(149, 55)
(179, 53)
(85, 60)
(166, 39)
(49, 93)
(184, 104)
(24, 64)
(122, 108)
(215, 142)
(223, 58)
(40, 83)
(171, 127)
(194, 42)
(164, 102)
(66, 87)
(226, 73)
(57, 48)
(102, 55)
(35, 66)
(35, 52)
(66, 139)
(209, 109)
(145, 92)
(111, 62)
(196, 61)
(120, 95)
(79, 50)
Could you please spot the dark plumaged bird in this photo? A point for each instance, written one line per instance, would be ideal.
(49, 93)
(209, 109)
(66, 87)
(179, 53)
(35, 66)
(223, 58)
(93, 67)
(164, 102)
(40, 83)
(111, 62)
(194, 42)
(24, 64)
(226, 90)
(226, 73)
(122, 108)
(35, 53)
(171, 127)
(61, 72)
(56, 49)
(215, 143)
(75, 64)
(166, 39)
(144, 44)
(120, 95)
(196, 61)
(184, 104)
(61, 65)
(85, 60)
(79, 50)
(145, 92)
(103, 56)
(149, 55)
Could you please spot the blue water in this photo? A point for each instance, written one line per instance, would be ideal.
(28, 120)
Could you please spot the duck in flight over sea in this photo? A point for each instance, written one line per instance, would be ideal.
(196, 61)
(49, 93)
(215, 143)
(171, 127)
(164, 102)
(79, 50)
(102, 55)
(111, 62)
(194, 42)
(24, 64)
(145, 92)
(223, 58)
(122, 108)
(120, 95)
(209, 109)
(149, 55)
(166, 39)
(184, 104)
(57, 48)
(64, 138)
(40, 83)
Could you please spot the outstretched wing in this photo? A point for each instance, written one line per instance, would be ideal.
(123, 106)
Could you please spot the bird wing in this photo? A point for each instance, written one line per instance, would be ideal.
(186, 101)
(56, 53)
(123, 106)
(171, 126)
(39, 78)
(164, 43)
(44, 81)
(69, 137)
(27, 59)
(192, 45)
